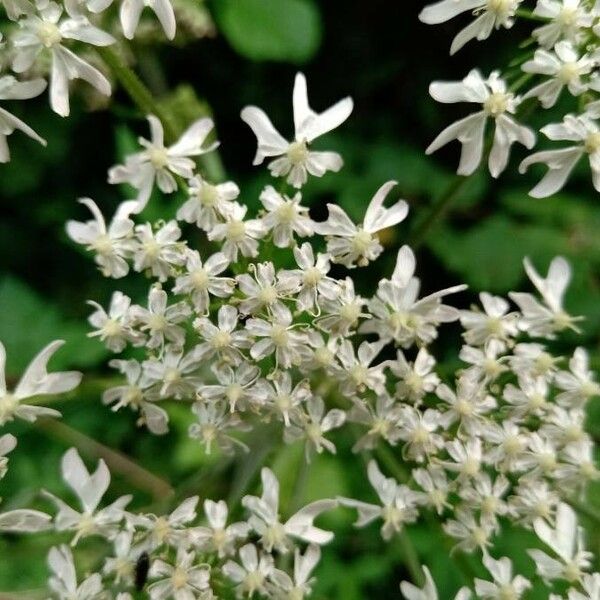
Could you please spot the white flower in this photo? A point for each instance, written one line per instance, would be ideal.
(111, 245)
(161, 163)
(158, 252)
(504, 585)
(381, 421)
(497, 104)
(131, 10)
(63, 581)
(236, 387)
(8, 443)
(578, 385)
(534, 500)
(429, 591)
(495, 322)
(418, 431)
(265, 518)
(171, 529)
(342, 313)
(238, 235)
(296, 158)
(491, 14)
(200, 280)
(218, 536)
(487, 496)
(222, 340)
(89, 489)
(472, 533)
(175, 373)
(285, 217)
(591, 587)
(530, 398)
(183, 580)
(356, 373)
(212, 429)
(567, 18)
(134, 394)
(585, 132)
(353, 245)
(115, 327)
(11, 89)
(47, 32)
(208, 204)
(36, 381)
(284, 399)
(550, 317)
(300, 586)
(400, 504)
(251, 576)
(314, 425)
(122, 565)
(563, 66)
(160, 320)
(565, 539)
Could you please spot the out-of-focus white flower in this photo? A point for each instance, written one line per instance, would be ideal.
(266, 522)
(352, 245)
(504, 585)
(300, 586)
(183, 580)
(566, 540)
(567, 19)
(11, 89)
(24, 520)
(497, 104)
(89, 490)
(563, 66)
(584, 131)
(400, 504)
(8, 442)
(36, 381)
(428, 591)
(251, 576)
(296, 158)
(131, 10)
(160, 163)
(550, 317)
(63, 581)
(491, 14)
(47, 31)
(111, 245)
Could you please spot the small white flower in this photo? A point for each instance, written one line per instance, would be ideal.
(381, 421)
(238, 235)
(160, 163)
(497, 104)
(550, 317)
(565, 539)
(471, 532)
(504, 585)
(115, 327)
(313, 426)
(36, 381)
(300, 586)
(265, 518)
(131, 10)
(429, 591)
(400, 504)
(218, 536)
(356, 373)
(89, 489)
(567, 18)
(284, 399)
(63, 581)
(111, 245)
(183, 580)
(585, 132)
(11, 89)
(285, 217)
(208, 204)
(160, 321)
(563, 66)
(414, 379)
(159, 251)
(201, 280)
(578, 385)
(351, 244)
(296, 159)
(491, 14)
(175, 374)
(495, 322)
(47, 31)
(251, 576)
(342, 314)
(236, 387)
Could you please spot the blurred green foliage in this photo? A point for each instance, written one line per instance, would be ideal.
(378, 53)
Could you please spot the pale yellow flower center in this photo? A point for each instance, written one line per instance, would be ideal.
(200, 279)
(350, 312)
(286, 213)
(49, 34)
(111, 328)
(208, 195)
(221, 340)
(362, 241)
(568, 72)
(279, 335)
(297, 153)
(236, 230)
(103, 245)
(496, 104)
(592, 143)
(158, 157)
(312, 276)
(268, 295)
(179, 578)
(8, 406)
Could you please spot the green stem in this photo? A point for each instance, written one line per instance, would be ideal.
(136, 90)
(411, 559)
(527, 14)
(418, 236)
(585, 510)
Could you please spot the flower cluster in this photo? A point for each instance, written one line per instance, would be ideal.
(563, 58)
(244, 341)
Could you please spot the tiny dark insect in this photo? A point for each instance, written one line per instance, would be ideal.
(142, 566)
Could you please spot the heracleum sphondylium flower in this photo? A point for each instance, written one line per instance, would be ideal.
(296, 160)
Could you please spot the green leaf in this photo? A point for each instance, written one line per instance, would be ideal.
(278, 30)
(28, 323)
